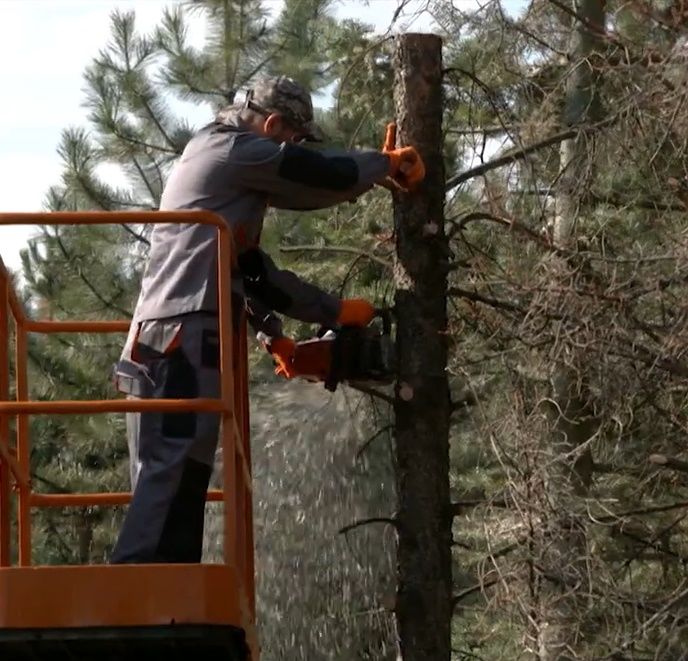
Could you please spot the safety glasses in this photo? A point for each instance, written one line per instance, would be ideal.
(297, 138)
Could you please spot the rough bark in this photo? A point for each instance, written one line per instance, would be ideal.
(422, 401)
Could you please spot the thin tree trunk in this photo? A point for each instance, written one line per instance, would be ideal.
(85, 536)
(582, 106)
(565, 555)
(422, 402)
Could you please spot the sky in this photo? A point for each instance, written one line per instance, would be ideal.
(45, 46)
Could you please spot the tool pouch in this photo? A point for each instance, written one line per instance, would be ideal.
(131, 379)
(151, 342)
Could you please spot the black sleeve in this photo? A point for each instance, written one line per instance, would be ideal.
(295, 177)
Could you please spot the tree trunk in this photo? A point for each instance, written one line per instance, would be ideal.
(85, 536)
(422, 401)
(570, 468)
(581, 106)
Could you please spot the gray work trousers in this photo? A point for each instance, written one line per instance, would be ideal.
(171, 454)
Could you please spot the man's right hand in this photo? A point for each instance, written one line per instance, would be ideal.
(282, 350)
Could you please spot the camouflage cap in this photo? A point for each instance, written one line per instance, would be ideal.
(290, 99)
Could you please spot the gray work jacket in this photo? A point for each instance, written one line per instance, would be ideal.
(237, 174)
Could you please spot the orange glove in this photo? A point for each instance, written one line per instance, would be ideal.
(355, 312)
(406, 167)
(390, 142)
(282, 350)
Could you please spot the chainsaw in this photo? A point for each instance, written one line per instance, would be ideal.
(348, 354)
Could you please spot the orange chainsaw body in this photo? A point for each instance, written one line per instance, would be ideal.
(312, 358)
(349, 354)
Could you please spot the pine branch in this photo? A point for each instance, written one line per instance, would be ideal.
(669, 462)
(640, 512)
(610, 469)
(469, 398)
(368, 442)
(154, 195)
(518, 26)
(161, 179)
(509, 158)
(666, 609)
(651, 359)
(484, 130)
(263, 63)
(480, 298)
(109, 304)
(365, 522)
(478, 587)
(159, 126)
(501, 220)
(139, 237)
(520, 154)
(142, 143)
(67, 550)
(349, 274)
(372, 392)
(47, 368)
(101, 194)
(350, 69)
(616, 200)
(183, 64)
(235, 52)
(57, 488)
(458, 507)
(341, 249)
(489, 93)
(656, 542)
(598, 30)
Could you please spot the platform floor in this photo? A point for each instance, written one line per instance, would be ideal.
(172, 643)
(123, 612)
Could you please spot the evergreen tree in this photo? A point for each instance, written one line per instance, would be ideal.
(609, 315)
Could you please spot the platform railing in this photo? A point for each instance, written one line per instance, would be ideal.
(232, 403)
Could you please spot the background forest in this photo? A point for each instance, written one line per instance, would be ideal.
(565, 130)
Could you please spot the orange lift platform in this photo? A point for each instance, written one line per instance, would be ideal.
(183, 611)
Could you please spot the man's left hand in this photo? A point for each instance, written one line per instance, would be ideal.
(407, 169)
(355, 312)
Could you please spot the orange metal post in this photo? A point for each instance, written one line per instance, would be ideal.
(245, 441)
(237, 512)
(243, 490)
(5, 492)
(7, 455)
(23, 449)
(15, 306)
(225, 321)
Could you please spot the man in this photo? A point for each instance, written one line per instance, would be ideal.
(246, 160)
